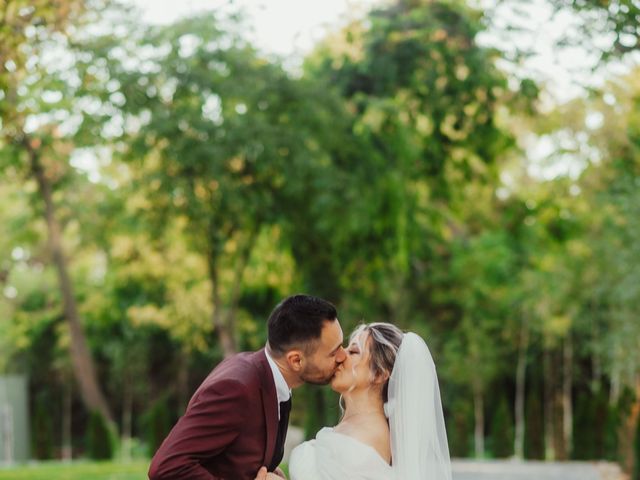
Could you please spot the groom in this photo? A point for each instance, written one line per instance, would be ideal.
(236, 422)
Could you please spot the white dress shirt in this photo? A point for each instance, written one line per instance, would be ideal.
(282, 389)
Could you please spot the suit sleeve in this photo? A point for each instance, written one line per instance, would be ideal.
(211, 423)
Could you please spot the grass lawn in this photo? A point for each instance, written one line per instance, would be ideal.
(136, 470)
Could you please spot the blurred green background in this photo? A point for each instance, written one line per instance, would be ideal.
(163, 187)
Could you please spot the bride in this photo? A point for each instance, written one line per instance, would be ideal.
(392, 427)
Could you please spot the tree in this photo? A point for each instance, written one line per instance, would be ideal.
(209, 126)
(425, 99)
(603, 293)
(34, 96)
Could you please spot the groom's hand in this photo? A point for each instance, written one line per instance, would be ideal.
(263, 474)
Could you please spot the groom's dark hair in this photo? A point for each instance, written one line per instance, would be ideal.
(297, 323)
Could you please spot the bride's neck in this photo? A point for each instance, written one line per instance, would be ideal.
(362, 402)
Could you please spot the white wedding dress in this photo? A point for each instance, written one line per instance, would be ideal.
(336, 456)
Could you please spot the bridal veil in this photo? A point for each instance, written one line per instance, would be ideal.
(418, 436)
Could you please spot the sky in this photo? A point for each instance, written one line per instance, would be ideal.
(282, 27)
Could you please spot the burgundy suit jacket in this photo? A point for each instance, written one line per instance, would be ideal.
(230, 426)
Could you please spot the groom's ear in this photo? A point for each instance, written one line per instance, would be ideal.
(295, 360)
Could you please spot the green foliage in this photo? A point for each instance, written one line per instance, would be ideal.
(501, 430)
(590, 420)
(534, 439)
(459, 426)
(611, 433)
(42, 428)
(77, 471)
(20, 22)
(425, 92)
(320, 409)
(636, 449)
(99, 441)
(157, 424)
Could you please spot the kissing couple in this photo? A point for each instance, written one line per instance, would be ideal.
(392, 427)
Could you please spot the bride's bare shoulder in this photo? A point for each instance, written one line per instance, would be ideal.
(372, 432)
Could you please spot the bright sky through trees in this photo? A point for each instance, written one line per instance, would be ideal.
(283, 27)
(290, 28)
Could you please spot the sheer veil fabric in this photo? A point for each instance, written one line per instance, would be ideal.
(418, 437)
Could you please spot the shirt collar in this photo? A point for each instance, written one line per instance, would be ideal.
(282, 389)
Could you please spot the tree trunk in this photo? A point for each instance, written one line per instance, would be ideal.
(627, 434)
(224, 318)
(478, 404)
(521, 371)
(567, 406)
(227, 341)
(225, 336)
(83, 366)
(127, 416)
(236, 288)
(596, 361)
(67, 412)
(616, 386)
(549, 446)
(183, 382)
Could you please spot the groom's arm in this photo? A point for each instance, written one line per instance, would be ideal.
(212, 422)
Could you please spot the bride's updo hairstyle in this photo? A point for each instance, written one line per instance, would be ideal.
(383, 342)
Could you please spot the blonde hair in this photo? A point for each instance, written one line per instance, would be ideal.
(384, 342)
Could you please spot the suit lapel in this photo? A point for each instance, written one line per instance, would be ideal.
(269, 405)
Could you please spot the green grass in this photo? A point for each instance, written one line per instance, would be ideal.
(81, 470)
(136, 470)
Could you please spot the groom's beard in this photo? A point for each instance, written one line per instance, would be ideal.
(315, 376)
